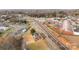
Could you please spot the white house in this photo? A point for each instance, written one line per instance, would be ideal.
(3, 28)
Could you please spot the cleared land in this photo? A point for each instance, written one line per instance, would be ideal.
(34, 45)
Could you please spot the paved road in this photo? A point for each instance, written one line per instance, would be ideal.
(51, 36)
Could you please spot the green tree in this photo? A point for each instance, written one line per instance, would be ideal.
(33, 31)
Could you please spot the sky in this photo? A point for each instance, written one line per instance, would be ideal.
(39, 4)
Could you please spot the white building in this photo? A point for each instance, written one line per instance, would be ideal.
(67, 26)
(2, 28)
(41, 19)
(76, 33)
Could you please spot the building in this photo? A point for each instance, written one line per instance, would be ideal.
(67, 27)
(3, 28)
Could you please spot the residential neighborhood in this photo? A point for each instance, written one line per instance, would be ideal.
(39, 29)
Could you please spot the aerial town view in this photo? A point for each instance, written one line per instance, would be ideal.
(39, 29)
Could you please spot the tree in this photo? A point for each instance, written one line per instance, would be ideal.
(54, 14)
(62, 14)
(33, 31)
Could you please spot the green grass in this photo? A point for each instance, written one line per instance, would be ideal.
(7, 31)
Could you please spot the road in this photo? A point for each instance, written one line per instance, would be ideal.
(51, 36)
